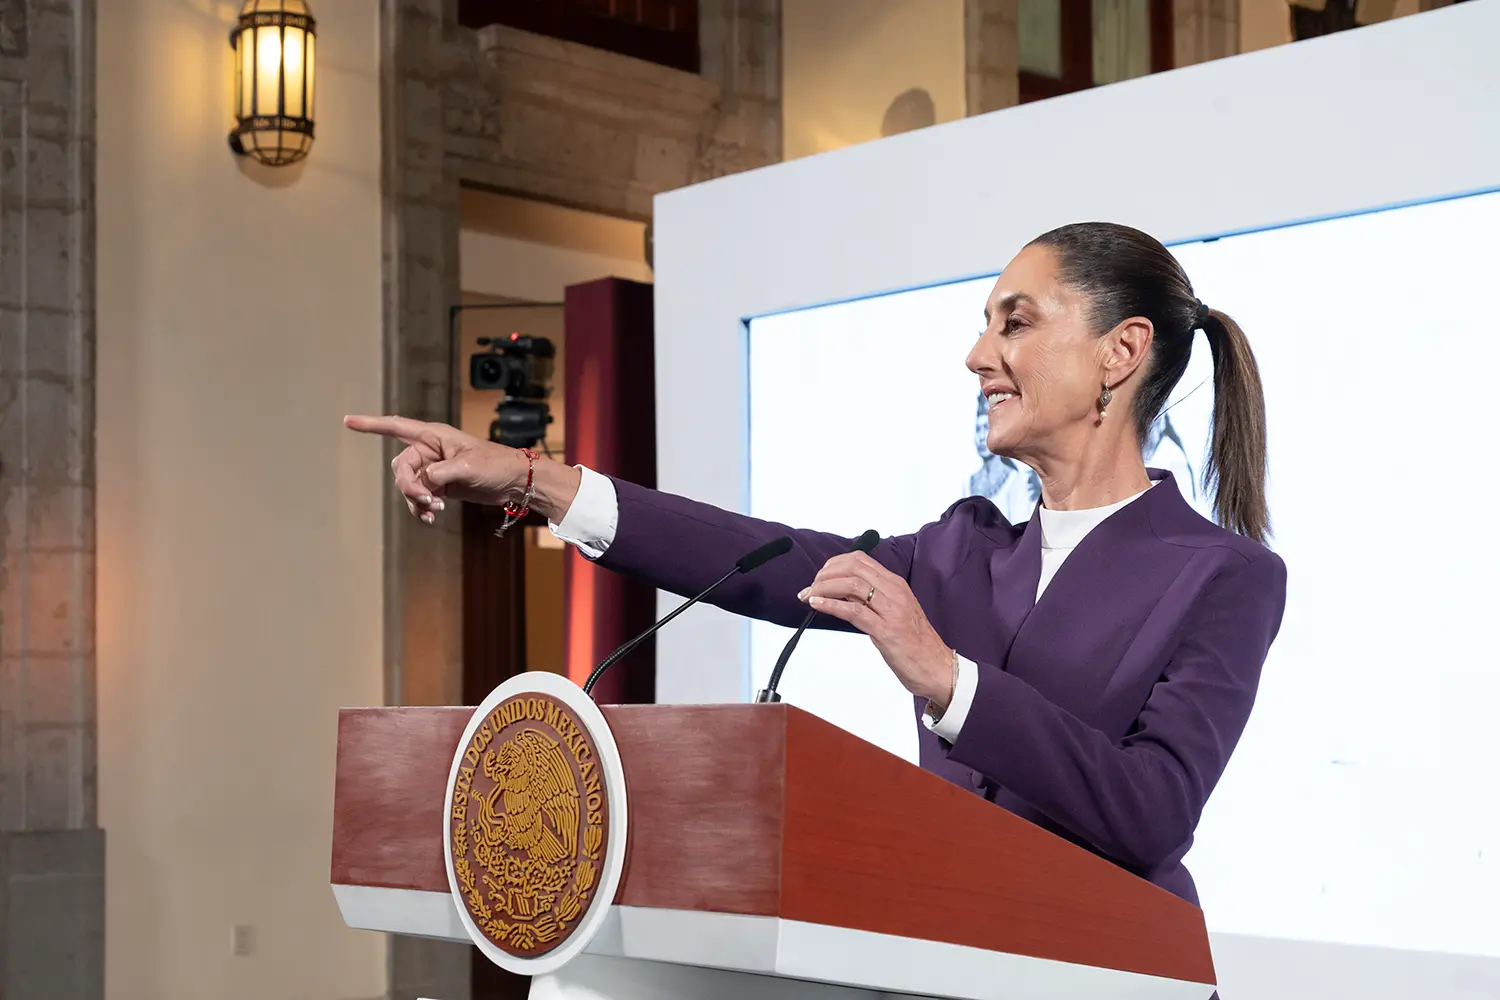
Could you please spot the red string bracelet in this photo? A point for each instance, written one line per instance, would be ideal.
(514, 513)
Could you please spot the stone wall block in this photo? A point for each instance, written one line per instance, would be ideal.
(992, 56)
(43, 689)
(54, 759)
(664, 161)
(50, 245)
(52, 893)
(55, 623)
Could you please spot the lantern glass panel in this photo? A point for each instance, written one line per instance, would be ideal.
(267, 70)
(245, 70)
(312, 67)
(294, 70)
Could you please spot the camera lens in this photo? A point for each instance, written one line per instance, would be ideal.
(490, 371)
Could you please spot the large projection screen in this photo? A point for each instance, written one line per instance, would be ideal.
(1398, 114)
(1353, 811)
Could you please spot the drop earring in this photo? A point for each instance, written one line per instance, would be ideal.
(1105, 395)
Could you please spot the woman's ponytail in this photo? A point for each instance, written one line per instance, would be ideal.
(1236, 468)
(1124, 273)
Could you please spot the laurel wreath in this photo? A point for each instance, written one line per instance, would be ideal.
(523, 890)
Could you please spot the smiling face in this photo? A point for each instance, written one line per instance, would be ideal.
(1040, 365)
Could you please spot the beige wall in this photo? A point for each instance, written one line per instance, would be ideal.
(1264, 23)
(239, 591)
(529, 251)
(843, 64)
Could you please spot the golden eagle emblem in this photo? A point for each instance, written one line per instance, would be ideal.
(539, 796)
(528, 821)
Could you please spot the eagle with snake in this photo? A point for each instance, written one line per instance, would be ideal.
(537, 797)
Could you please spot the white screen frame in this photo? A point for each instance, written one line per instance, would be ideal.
(1286, 135)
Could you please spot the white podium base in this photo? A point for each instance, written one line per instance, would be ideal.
(651, 954)
(593, 977)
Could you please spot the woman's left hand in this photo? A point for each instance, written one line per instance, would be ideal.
(857, 589)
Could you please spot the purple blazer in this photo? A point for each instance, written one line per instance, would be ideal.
(1105, 712)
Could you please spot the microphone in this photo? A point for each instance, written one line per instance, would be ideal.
(747, 563)
(864, 543)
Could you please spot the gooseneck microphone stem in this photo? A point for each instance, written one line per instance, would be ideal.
(624, 650)
(747, 563)
(767, 694)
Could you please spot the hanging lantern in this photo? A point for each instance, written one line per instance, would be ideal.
(274, 44)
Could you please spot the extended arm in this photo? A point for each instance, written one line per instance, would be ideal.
(666, 541)
(681, 546)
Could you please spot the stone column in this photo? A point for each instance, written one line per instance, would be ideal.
(423, 565)
(424, 656)
(51, 848)
(992, 55)
(1204, 30)
(740, 43)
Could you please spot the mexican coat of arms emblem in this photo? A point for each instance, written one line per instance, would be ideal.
(528, 824)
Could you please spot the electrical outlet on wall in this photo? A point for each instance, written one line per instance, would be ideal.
(242, 940)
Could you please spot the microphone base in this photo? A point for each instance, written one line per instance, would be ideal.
(766, 696)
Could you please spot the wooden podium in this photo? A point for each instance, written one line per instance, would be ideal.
(770, 854)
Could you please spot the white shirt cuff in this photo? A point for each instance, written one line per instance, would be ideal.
(591, 521)
(952, 722)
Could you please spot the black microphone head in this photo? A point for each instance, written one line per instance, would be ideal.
(867, 541)
(771, 550)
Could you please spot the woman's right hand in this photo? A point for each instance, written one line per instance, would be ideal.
(441, 461)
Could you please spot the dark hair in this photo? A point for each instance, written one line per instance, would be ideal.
(1125, 273)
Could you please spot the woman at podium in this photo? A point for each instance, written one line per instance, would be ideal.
(1089, 669)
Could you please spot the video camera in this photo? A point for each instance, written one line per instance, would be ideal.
(521, 367)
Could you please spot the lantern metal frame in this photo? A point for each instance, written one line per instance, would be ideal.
(300, 127)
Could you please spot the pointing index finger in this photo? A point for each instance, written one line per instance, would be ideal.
(403, 429)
